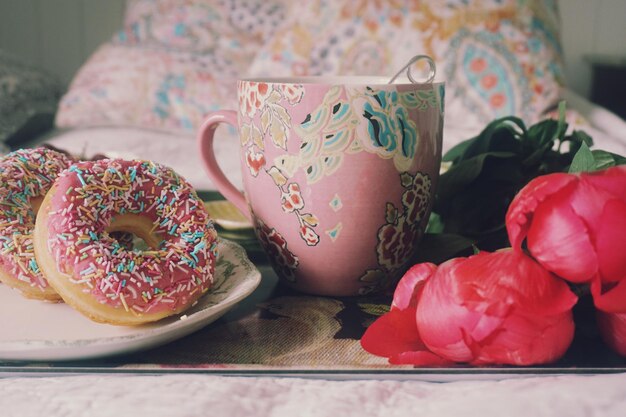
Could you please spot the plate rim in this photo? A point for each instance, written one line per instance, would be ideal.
(172, 329)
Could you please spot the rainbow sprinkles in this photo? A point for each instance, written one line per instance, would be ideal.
(25, 177)
(92, 199)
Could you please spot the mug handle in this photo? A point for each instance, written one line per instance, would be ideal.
(207, 155)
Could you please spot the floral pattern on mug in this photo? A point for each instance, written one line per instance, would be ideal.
(378, 118)
(275, 121)
(395, 240)
(255, 161)
(292, 199)
(253, 97)
(348, 120)
(265, 99)
(275, 245)
(292, 202)
(308, 235)
(416, 198)
(293, 93)
(386, 128)
(402, 227)
(327, 134)
(251, 133)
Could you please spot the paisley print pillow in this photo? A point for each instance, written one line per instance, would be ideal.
(172, 63)
(238, 27)
(498, 57)
(152, 88)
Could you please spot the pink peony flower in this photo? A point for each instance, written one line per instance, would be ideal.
(394, 335)
(490, 308)
(496, 308)
(575, 226)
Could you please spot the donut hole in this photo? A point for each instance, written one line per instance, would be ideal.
(134, 232)
(35, 203)
(129, 241)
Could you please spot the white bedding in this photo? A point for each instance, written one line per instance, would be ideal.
(174, 150)
(201, 395)
(180, 151)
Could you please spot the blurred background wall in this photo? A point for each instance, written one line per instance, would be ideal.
(59, 35)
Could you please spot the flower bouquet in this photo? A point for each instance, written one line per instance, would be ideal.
(527, 222)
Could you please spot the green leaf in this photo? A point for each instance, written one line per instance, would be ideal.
(486, 172)
(604, 159)
(435, 223)
(582, 137)
(463, 173)
(437, 248)
(456, 151)
(543, 134)
(538, 154)
(501, 131)
(562, 125)
(583, 160)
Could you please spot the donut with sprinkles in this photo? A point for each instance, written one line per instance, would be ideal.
(102, 278)
(25, 177)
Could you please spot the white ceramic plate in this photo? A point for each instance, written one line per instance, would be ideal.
(35, 330)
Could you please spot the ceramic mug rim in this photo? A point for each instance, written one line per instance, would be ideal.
(351, 80)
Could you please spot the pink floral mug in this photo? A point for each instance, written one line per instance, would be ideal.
(338, 175)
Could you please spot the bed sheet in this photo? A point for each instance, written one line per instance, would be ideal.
(179, 151)
(174, 150)
(196, 395)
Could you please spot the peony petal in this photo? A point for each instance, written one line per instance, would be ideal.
(613, 330)
(529, 340)
(537, 291)
(609, 298)
(611, 241)
(613, 180)
(420, 358)
(521, 209)
(559, 240)
(393, 333)
(410, 286)
(484, 327)
(441, 317)
(495, 308)
(588, 201)
(510, 279)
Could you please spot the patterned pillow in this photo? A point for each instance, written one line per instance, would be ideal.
(238, 26)
(28, 100)
(153, 88)
(174, 61)
(498, 57)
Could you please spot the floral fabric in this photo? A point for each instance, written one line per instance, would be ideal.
(152, 88)
(172, 63)
(498, 57)
(237, 27)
